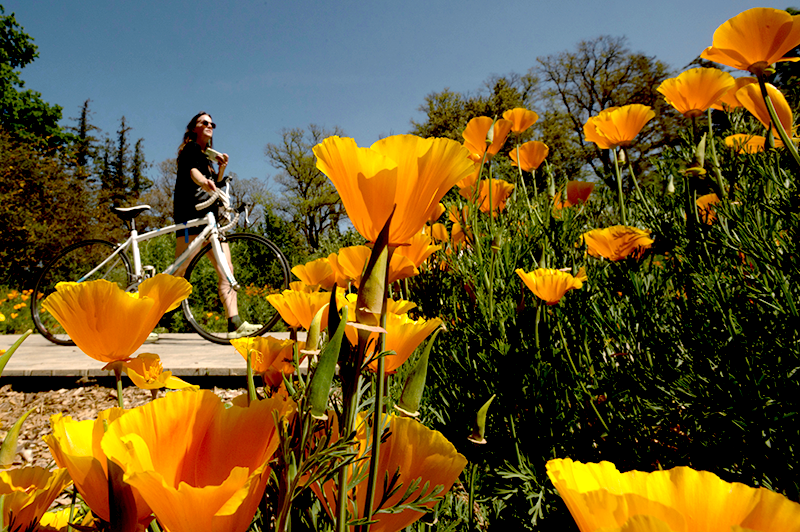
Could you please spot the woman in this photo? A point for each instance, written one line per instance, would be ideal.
(196, 180)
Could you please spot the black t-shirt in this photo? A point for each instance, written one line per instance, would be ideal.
(187, 192)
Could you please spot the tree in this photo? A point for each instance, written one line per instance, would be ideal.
(308, 198)
(599, 74)
(448, 112)
(23, 113)
(84, 148)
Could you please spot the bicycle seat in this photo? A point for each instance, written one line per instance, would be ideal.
(129, 213)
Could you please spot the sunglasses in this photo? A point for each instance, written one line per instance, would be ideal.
(206, 123)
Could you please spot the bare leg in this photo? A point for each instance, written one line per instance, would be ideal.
(226, 292)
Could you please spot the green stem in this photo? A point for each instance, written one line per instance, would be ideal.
(377, 422)
(717, 171)
(620, 198)
(578, 377)
(118, 376)
(776, 123)
(251, 387)
(472, 470)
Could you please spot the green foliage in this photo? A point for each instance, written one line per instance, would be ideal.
(685, 356)
(23, 113)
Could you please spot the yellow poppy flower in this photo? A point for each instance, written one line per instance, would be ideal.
(403, 170)
(616, 242)
(26, 493)
(755, 39)
(695, 90)
(147, 373)
(106, 323)
(298, 308)
(617, 126)
(520, 118)
(550, 285)
(480, 131)
(531, 154)
(418, 249)
(75, 445)
(728, 100)
(751, 99)
(599, 497)
(189, 477)
(315, 273)
(411, 449)
(705, 207)
(439, 233)
(54, 521)
(349, 263)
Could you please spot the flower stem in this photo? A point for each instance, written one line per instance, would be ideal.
(776, 123)
(118, 376)
(620, 198)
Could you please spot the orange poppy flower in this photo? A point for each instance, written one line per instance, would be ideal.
(348, 265)
(742, 143)
(531, 154)
(520, 118)
(270, 357)
(439, 233)
(418, 249)
(599, 497)
(617, 126)
(577, 192)
(109, 324)
(479, 132)
(176, 451)
(75, 445)
(403, 170)
(751, 99)
(414, 452)
(695, 90)
(501, 190)
(705, 207)
(147, 373)
(550, 285)
(316, 273)
(728, 100)
(755, 39)
(616, 242)
(298, 308)
(403, 336)
(26, 493)
(437, 213)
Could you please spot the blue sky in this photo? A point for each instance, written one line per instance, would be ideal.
(259, 66)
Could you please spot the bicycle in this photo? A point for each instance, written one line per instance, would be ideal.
(259, 266)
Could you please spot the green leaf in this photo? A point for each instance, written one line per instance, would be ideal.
(9, 448)
(320, 387)
(7, 355)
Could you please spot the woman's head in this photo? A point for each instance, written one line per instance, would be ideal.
(199, 129)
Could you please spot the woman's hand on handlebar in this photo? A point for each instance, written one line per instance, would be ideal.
(209, 186)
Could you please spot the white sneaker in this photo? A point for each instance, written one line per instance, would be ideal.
(152, 338)
(245, 329)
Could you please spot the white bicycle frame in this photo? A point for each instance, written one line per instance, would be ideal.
(211, 232)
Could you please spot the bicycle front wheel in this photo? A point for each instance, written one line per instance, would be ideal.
(260, 269)
(73, 264)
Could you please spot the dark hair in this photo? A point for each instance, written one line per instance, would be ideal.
(190, 136)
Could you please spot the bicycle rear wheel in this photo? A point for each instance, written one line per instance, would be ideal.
(260, 269)
(72, 264)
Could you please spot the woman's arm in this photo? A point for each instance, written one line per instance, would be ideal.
(202, 181)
